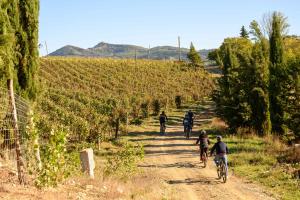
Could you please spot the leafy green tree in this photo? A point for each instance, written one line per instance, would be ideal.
(194, 57)
(214, 56)
(244, 33)
(255, 31)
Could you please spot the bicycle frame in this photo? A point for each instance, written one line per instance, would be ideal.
(221, 170)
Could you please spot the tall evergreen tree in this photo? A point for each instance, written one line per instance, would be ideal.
(244, 33)
(259, 96)
(293, 97)
(232, 96)
(28, 38)
(277, 74)
(19, 43)
(6, 41)
(194, 57)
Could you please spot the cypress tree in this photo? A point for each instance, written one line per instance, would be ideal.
(277, 74)
(244, 33)
(6, 41)
(194, 57)
(226, 96)
(293, 98)
(19, 43)
(259, 96)
(28, 38)
(276, 41)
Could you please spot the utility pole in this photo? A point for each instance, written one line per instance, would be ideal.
(135, 56)
(46, 48)
(149, 52)
(179, 49)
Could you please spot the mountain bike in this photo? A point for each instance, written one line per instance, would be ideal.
(163, 128)
(221, 170)
(187, 131)
(204, 159)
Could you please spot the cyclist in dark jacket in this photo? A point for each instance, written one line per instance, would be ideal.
(186, 123)
(162, 121)
(203, 142)
(221, 150)
(191, 118)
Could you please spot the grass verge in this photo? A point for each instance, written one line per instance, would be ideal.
(262, 160)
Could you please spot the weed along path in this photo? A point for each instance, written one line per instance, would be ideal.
(176, 160)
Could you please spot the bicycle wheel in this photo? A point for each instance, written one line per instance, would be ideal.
(219, 171)
(162, 129)
(204, 160)
(188, 133)
(223, 172)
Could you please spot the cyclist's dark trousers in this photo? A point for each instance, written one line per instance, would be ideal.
(162, 126)
(203, 150)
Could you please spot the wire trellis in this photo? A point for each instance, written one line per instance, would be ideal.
(8, 138)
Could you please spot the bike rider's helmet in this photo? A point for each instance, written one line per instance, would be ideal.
(219, 137)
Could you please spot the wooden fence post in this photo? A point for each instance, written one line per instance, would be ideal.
(20, 164)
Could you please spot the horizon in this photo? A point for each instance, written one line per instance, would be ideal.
(127, 45)
(206, 24)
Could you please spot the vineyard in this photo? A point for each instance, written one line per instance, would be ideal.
(95, 98)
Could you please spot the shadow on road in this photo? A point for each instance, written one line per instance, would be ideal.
(191, 181)
(172, 165)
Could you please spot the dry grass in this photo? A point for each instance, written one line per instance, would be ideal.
(292, 155)
(141, 186)
(219, 124)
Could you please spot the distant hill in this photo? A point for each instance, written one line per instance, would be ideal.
(125, 51)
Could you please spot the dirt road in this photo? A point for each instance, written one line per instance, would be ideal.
(177, 160)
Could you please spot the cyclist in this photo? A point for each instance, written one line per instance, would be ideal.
(186, 124)
(162, 120)
(191, 118)
(203, 142)
(222, 151)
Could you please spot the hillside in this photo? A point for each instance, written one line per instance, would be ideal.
(87, 94)
(126, 51)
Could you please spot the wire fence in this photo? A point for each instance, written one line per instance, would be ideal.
(8, 136)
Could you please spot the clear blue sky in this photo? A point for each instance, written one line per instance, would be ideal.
(84, 23)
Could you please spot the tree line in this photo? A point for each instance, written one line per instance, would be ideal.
(260, 86)
(19, 44)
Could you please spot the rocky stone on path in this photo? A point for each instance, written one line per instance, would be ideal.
(87, 162)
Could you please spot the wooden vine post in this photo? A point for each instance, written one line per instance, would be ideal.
(20, 164)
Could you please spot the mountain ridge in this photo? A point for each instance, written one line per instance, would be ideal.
(104, 49)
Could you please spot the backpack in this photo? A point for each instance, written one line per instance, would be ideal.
(186, 121)
(162, 118)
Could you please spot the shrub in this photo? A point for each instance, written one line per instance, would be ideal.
(292, 155)
(156, 107)
(145, 107)
(56, 163)
(124, 162)
(136, 121)
(178, 101)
